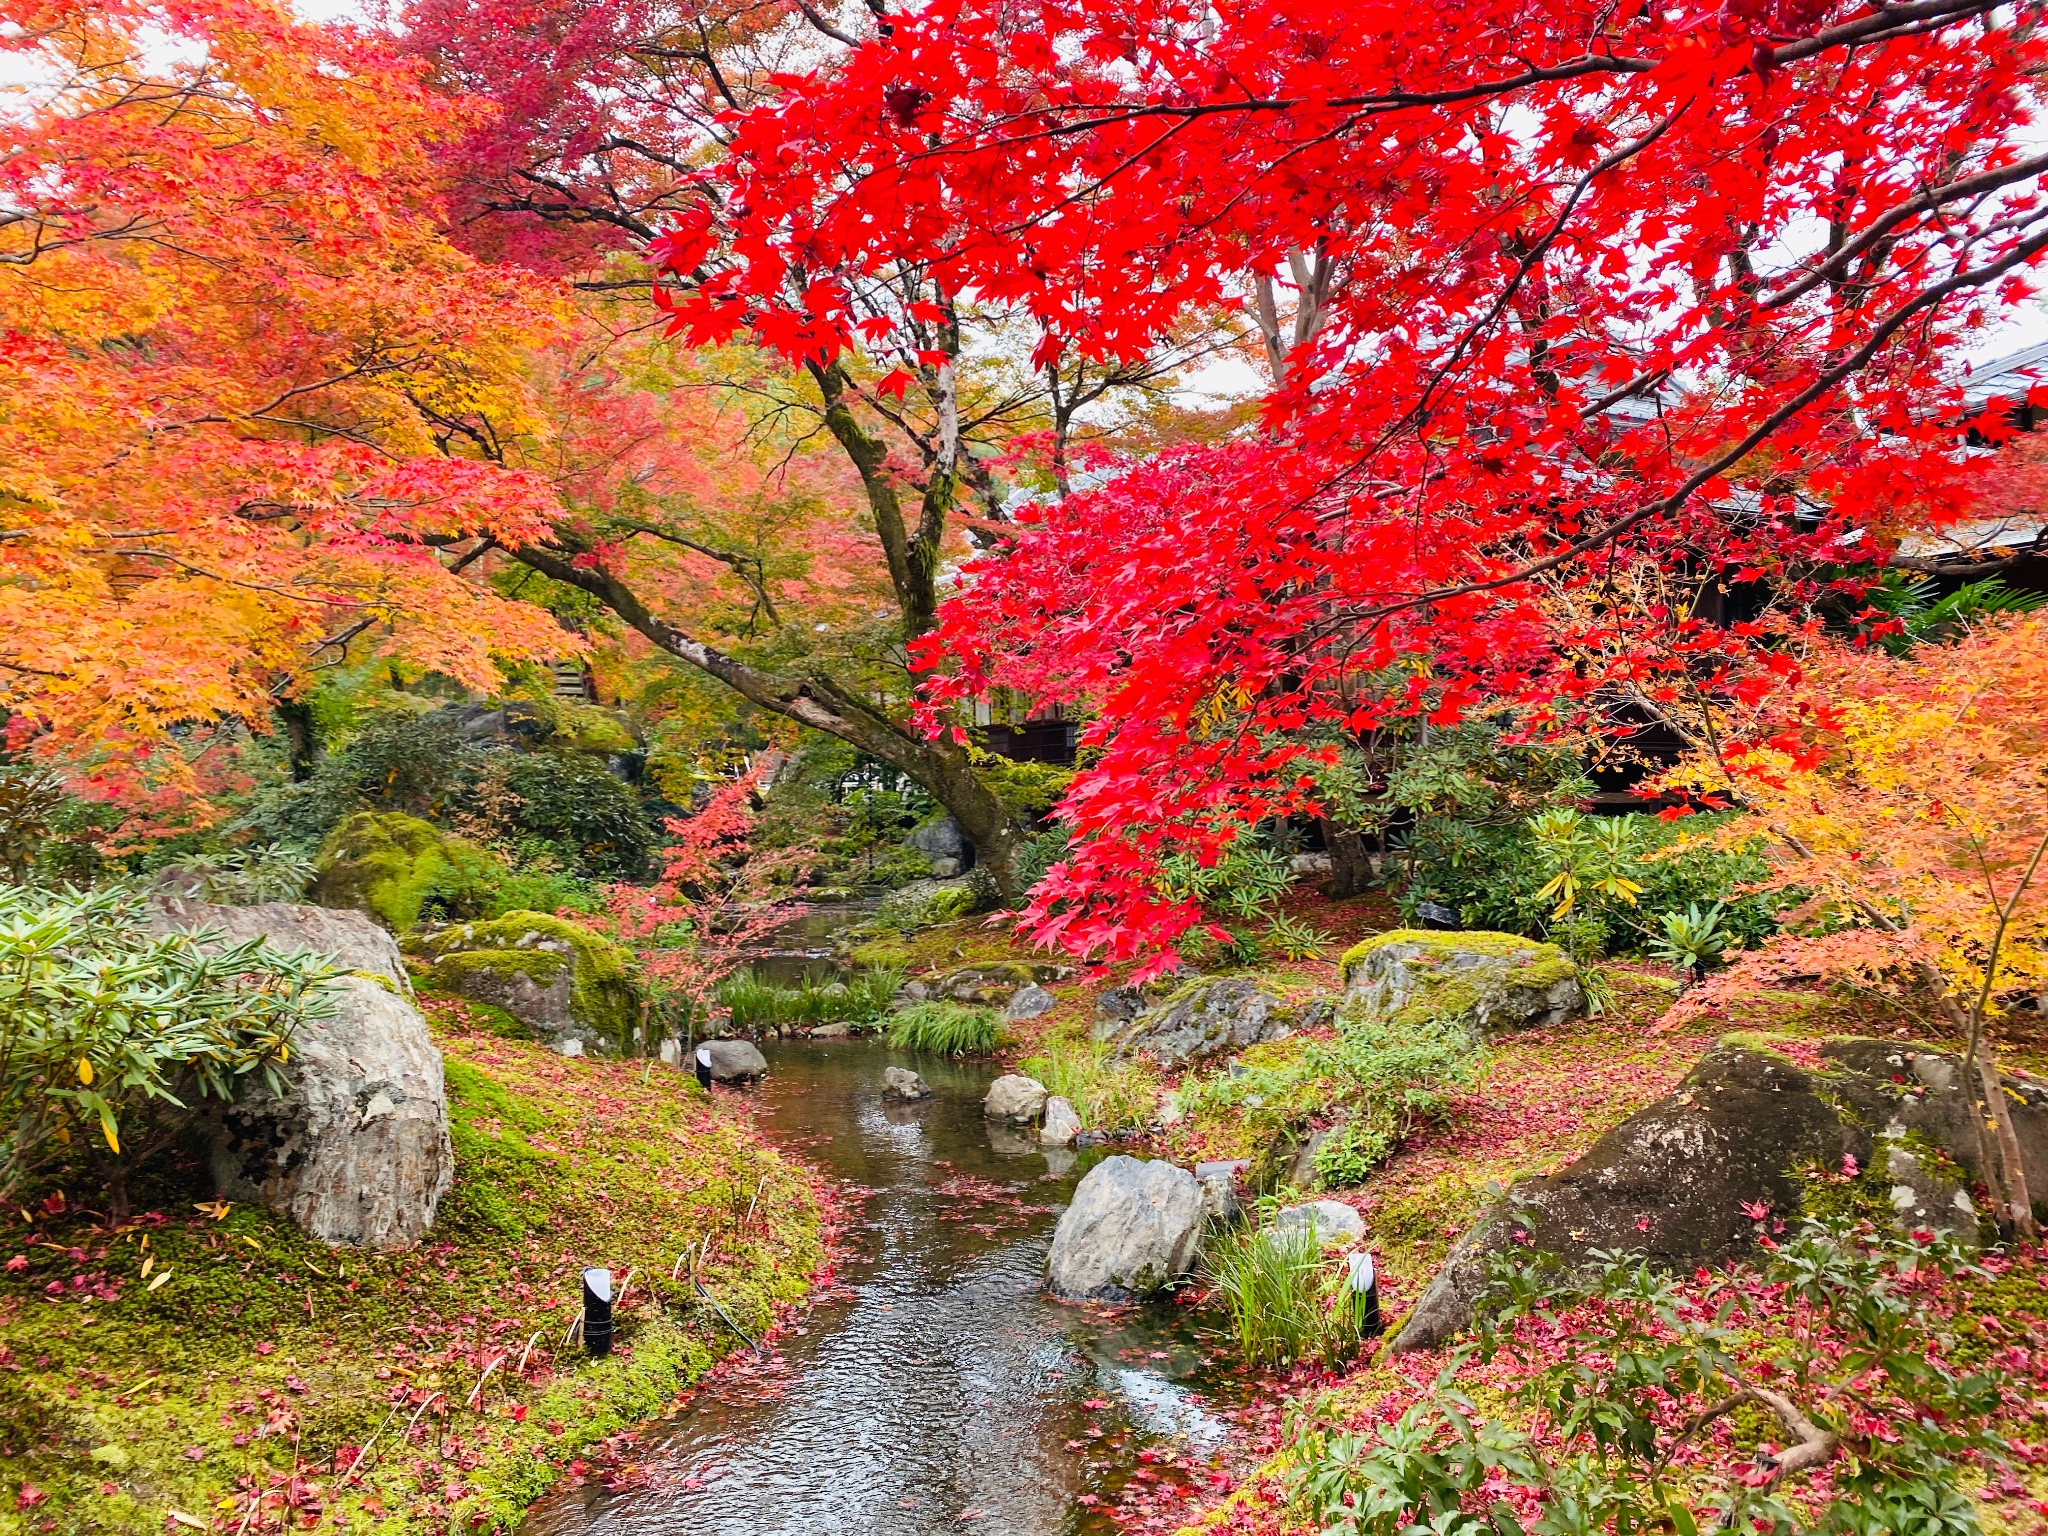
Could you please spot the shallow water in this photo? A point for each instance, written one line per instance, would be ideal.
(940, 1390)
(800, 950)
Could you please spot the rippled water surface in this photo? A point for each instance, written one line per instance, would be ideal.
(942, 1391)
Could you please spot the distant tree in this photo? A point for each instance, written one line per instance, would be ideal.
(1907, 797)
(232, 334)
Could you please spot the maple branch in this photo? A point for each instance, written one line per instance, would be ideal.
(1612, 161)
(1924, 202)
(234, 581)
(749, 568)
(1883, 22)
(1822, 385)
(824, 26)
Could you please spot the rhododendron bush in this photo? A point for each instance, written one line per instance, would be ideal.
(1546, 295)
(1624, 1394)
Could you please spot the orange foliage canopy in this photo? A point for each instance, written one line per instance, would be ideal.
(240, 371)
(1909, 797)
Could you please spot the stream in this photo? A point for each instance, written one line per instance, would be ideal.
(937, 1388)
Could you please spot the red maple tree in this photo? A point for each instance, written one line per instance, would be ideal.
(1572, 289)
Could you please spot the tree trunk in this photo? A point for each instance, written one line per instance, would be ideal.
(1350, 862)
(2014, 1194)
(302, 740)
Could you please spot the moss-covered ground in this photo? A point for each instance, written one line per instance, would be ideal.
(210, 1367)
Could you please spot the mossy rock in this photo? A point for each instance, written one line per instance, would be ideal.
(923, 903)
(571, 987)
(1755, 1139)
(1488, 980)
(586, 728)
(1214, 1015)
(396, 867)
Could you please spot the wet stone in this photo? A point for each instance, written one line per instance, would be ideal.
(1015, 1100)
(902, 1083)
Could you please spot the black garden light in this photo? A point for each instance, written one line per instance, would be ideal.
(597, 1312)
(1433, 915)
(1364, 1284)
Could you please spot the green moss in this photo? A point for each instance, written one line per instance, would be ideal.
(1415, 1232)
(1480, 942)
(886, 953)
(586, 728)
(122, 1409)
(393, 866)
(605, 992)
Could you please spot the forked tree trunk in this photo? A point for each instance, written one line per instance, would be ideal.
(1350, 862)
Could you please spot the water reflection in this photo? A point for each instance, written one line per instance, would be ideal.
(944, 1392)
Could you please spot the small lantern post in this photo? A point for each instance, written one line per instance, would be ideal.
(597, 1312)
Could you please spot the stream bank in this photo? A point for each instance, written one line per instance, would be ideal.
(935, 1388)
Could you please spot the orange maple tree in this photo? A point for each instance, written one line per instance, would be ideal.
(1908, 798)
(240, 364)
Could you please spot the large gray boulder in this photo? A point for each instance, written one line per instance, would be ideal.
(356, 1150)
(348, 941)
(1209, 1017)
(1491, 981)
(944, 844)
(1131, 1230)
(733, 1061)
(1015, 1100)
(1681, 1181)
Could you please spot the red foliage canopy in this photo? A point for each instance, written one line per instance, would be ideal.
(1575, 285)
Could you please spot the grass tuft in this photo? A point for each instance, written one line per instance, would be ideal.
(944, 1029)
(1282, 1295)
(1108, 1092)
(761, 1005)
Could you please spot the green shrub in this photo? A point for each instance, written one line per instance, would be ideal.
(1493, 877)
(1037, 855)
(1286, 1301)
(537, 885)
(1381, 1078)
(1597, 1383)
(399, 869)
(255, 875)
(573, 802)
(1029, 790)
(944, 1029)
(29, 802)
(110, 1038)
(1108, 1092)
